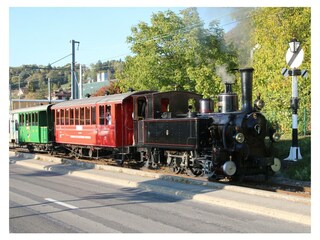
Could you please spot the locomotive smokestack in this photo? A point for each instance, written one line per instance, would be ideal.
(246, 87)
(228, 88)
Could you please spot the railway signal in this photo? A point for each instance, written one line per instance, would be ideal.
(294, 58)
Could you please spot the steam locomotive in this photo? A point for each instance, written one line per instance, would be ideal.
(157, 128)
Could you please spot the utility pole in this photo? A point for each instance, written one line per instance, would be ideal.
(80, 85)
(19, 93)
(49, 90)
(10, 98)
(74, 82)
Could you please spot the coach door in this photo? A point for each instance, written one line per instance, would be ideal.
(140, 113)
(106, 126)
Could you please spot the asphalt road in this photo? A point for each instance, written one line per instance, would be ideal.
(47, 202)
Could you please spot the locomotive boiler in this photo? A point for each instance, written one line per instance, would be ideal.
(242, 140)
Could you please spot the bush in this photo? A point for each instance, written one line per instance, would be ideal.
(301, 169)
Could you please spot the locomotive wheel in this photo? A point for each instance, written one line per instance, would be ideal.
(90, 153)
(30, 148)
(194, 172)
(174, 165)
(175, 169)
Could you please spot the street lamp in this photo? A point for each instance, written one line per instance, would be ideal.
(294, 45)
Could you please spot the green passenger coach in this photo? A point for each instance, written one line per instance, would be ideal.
(34, 127)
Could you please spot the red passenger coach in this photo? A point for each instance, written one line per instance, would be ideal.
(89, 127)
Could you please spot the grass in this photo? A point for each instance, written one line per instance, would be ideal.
(301, 169)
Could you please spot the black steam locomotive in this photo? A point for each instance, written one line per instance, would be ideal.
(229, 142)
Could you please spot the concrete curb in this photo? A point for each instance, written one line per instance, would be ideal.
(165, 177)
(69, 167)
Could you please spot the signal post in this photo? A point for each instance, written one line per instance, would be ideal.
(294, 58)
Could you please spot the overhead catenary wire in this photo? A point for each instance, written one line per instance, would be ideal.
(60, 59)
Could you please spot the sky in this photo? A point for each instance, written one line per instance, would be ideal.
(42, 35)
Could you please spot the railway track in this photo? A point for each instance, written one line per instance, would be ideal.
(274, 184)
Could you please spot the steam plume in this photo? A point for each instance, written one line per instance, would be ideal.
(224, 75)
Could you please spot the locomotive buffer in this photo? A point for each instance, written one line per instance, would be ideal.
(294, 58)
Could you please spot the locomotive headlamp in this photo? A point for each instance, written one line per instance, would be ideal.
(260, 104)
(239, 137)
(276, 137)
(276, 165)
(294, 45)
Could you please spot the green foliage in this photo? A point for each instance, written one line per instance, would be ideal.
(110, 67)
(176, 52)
(33, 79)
(301, 169)
(273, 30)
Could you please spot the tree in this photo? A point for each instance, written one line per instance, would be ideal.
(176, 52)
(112, 88)
(274, 28)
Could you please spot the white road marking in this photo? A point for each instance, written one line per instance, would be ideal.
(61, 203)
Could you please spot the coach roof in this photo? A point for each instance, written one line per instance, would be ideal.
(32, 109)
(115, 98)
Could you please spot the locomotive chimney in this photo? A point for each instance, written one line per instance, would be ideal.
(246, 88)
(228, 88)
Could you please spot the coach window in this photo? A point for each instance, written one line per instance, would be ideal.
(93, 115)
(67, 117)
(28, 119)
(58, 117)
(35, 119)
(21, 119)
(62, 116)
(71, 116)
(77, 116)
(87, 115)
(32, 119)
(101, 114)
(108, 115)
(82, 116)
